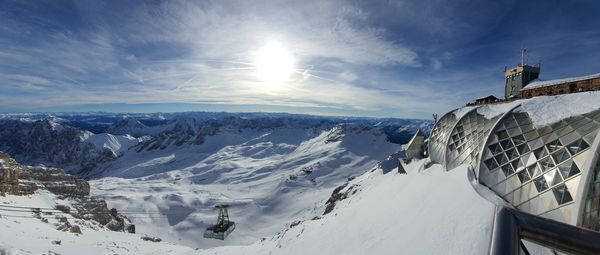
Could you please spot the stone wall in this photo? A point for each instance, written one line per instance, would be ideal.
(563, 88)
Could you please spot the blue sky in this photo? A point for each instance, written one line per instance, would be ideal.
(361, 58)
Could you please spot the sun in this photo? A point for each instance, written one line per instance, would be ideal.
(274, 63)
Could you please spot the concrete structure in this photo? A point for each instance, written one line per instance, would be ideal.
(552, 171)
(416, 146)
(560, 86)
(519, 77)
(522, 82)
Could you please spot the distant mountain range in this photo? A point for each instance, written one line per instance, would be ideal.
(81, 142)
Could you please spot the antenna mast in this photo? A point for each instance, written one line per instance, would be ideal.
(523, 50)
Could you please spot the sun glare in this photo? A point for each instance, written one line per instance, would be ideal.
(274, 63)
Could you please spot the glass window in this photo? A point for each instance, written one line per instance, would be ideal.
(528, 159)
(554, 145)
(568, 169)
(546, 163)
(508, 170)
(540, 184)
(577, 146)
(523, 176)
(523, 148)
(512, 154)
(491, 163)
(553, 178)
(495, 148)
(519, 139)
(540, 153)
(506, 144)
(561, 155)
(501, 159)
(562, 194)
(502, 135)
(516, 164)
(534, 171)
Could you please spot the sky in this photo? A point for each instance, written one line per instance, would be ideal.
(405, 59)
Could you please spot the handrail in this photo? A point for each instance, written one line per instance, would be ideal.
(511, 225)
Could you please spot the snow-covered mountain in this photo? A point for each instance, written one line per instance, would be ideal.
(117, 144)
(50, 143)
(269, 177)
(272, 170)
(127, 126)
(65, 140)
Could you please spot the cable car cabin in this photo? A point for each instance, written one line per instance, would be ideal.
(224, 226)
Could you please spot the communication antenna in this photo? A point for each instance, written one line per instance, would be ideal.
(523, 52)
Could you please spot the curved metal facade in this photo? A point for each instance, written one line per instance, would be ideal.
(536, 169)
(466, 139)
(438, 139)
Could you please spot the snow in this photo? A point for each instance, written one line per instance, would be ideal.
(460, 112)
(423, 212)
(115, 143)
(427, 210)
(26, 235)
(268, 178)
(547, 110)
(272, 178)
(489, 111)
(128, 125)
(541, 83)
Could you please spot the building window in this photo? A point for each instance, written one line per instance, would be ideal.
(562, 194)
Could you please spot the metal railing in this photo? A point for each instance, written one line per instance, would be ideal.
(511, 225)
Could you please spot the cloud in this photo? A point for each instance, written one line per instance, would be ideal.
(348, 76)
(399, 58)
(201, 52)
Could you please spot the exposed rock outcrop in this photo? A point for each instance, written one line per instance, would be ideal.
(16, 179)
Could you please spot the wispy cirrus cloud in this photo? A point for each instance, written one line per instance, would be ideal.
(399, 58)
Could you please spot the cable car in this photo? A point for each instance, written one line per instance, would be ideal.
(224, 226)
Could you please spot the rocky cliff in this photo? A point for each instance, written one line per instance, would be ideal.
(74, 193)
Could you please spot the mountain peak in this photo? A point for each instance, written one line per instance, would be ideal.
(127, 125)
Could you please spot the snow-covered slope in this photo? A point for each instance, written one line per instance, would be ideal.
(424, 212)
(24, 233)
(127, 126)
(52, 144)
(117, 144)
(45, 210)
(268, 178)
(427, 211)
(271, 170)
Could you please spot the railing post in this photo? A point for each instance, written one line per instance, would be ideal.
(511, 225)
(505, 233)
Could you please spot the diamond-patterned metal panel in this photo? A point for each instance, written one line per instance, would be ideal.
(467, 138)
(439, 137)
(539, 165)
